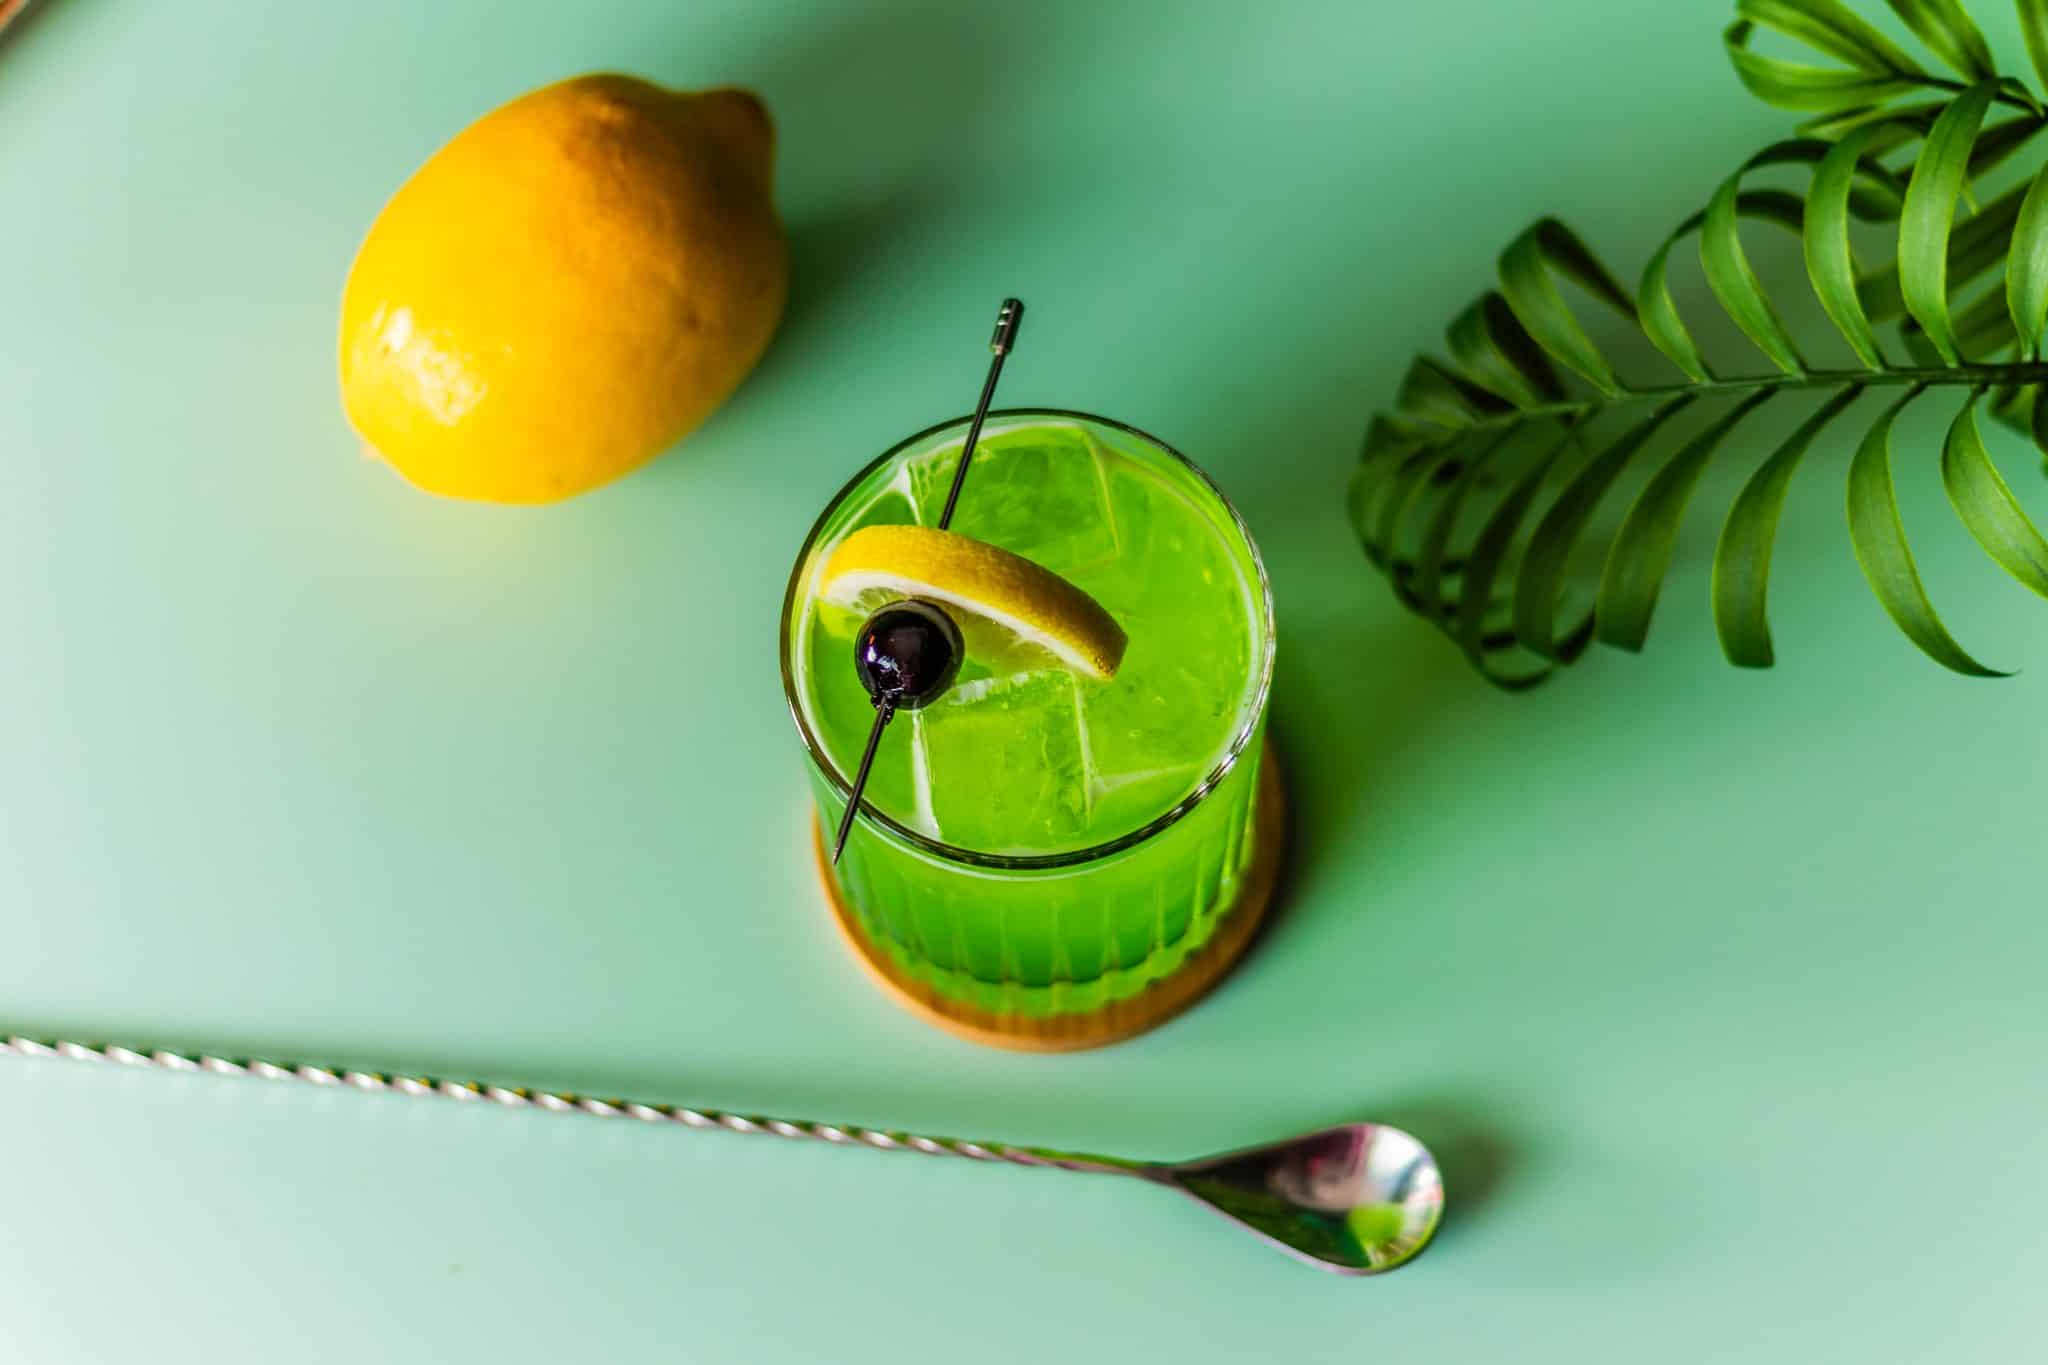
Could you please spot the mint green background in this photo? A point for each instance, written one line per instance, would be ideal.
(1722, 993)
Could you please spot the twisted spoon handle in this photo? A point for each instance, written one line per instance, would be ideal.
(567, 1102)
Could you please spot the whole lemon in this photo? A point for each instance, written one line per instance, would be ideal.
(569, 286)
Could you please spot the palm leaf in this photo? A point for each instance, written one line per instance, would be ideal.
(1480, 493)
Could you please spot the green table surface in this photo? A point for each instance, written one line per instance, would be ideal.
(1721, 992)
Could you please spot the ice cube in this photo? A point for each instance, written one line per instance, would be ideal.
(1040, 491)
(1003, 763)
(1151, 738)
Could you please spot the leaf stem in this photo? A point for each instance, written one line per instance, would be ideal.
(2004, 96)
(1981, 376)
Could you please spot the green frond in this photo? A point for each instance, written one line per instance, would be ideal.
(1929, 215)
(1975, 246)
(2034, 28)
(1656, 310)
(1986, 505)
(1735, 284)
(2026, 266)
(1950, 34)
(1832, 28)
(2000, 142)
(1539, 587)
(1491, 345)
(1432, 561)
(1880, 540)
(1830, 262)
(1875, 73)
(1529, 271)
(1637, 561)
(1483, 566)
(1742, 558)
(1480, 494)
(1796, 85)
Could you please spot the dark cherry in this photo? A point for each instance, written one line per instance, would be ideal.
(907, 653)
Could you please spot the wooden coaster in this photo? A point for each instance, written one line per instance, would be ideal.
(1118, 1020)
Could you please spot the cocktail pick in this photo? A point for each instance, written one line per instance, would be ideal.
(1356, 1199)
(1000, 342)
(908, 652)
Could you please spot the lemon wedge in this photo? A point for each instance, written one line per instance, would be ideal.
(1013, 615)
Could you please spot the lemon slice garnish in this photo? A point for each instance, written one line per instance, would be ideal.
(1013, 615)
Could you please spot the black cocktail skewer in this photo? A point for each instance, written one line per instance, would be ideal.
(908, 652)
(1005, 336)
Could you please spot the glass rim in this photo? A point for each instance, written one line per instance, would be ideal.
(1253, 710)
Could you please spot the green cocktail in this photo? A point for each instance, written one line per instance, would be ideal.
(1045, 858)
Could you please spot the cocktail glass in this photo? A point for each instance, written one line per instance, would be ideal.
(1041, 861)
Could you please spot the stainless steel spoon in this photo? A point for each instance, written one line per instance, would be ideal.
(1357, 1199)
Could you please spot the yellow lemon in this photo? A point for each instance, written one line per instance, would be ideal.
(1012, 613)
(564, 290)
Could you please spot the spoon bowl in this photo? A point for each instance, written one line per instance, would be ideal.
(1357, 1199)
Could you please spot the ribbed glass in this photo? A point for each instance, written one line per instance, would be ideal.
(1067, 931)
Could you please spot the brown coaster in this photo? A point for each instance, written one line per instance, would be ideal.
(1121, 1019)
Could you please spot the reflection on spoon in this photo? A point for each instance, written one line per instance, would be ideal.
(1359, 1200)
